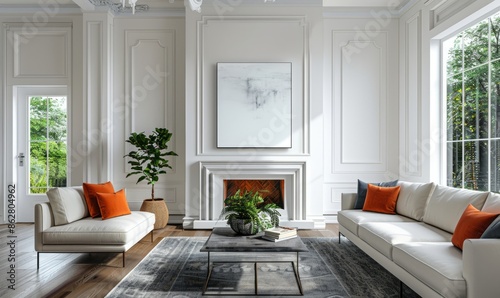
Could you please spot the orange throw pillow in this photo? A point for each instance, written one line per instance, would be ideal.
(90, 191)
(381, 199)
(113, 204)
(471, 225)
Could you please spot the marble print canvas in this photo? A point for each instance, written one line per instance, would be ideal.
(252, 99)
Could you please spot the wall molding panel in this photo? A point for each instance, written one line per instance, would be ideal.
(411, 105)
(443, 10)
(208, 53)
(29, 58)
(359, 92)
(149, 83)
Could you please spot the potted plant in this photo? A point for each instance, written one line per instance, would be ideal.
(149, 160)
(247, 214)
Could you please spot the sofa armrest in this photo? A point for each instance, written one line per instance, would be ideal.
(481, 260)
(43, 220)
(348, 201)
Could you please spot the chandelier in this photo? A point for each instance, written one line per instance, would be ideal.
(195, 5)
(131, 3)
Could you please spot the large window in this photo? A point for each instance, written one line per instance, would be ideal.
(473, 106)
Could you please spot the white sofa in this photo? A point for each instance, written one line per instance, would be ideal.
(63, 225)
(415, 244)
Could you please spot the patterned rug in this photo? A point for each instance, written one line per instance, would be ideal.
(177, 268)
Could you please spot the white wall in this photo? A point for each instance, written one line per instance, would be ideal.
(422, 151)
(148, 92)
(360, 102)
(254, 34)
(41, 50)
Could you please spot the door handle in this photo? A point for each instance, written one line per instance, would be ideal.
(21, 159)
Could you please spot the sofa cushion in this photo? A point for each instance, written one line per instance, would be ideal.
(492, 203)
(381, 199)
(412, 199)
(446, 205)
(90, 190)
(363, 188)
(113, 204)
(471, 225)
(95, 231)
(68, 204)
(384, 235)
(438, 265)
(350, 219)
(493, 230)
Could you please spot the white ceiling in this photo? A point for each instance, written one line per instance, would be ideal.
(156, 3)
(165, 5)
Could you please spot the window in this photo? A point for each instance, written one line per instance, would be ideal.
(473, 106)
(47, 143)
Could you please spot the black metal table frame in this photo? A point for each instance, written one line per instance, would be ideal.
(295, 266)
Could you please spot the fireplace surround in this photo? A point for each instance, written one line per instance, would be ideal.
(211, 192)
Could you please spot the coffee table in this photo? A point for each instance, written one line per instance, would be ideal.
(225, 240)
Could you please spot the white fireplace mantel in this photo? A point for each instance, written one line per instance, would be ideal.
(212, 175)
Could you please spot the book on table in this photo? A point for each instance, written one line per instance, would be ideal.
(278, 239)
(280, 232)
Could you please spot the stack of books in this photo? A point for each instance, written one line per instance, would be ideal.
(279, 234)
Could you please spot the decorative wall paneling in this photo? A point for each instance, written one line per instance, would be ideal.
(410, 98)
(150, 89)
(270, 35)
(360, 105)
(42, 58)
(443, 10)
(149, 93)
(32, 54)
(97, 91)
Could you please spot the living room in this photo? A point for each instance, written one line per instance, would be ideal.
(367, 97)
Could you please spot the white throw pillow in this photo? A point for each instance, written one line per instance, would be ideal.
(492, 204)
(412, 199)
(68, 204)
(446, 205)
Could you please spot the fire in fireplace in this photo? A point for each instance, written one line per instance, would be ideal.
(273, 191)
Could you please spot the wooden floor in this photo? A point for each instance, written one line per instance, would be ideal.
(83, 275)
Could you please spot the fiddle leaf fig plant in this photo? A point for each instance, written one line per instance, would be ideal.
(149, 159)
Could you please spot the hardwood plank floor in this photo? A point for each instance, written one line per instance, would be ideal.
(83, 275)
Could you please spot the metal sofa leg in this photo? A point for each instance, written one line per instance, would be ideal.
(340, 234)
(151, 235)
(37, 260)
(123, 259)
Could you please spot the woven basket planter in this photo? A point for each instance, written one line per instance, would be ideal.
(159, 208)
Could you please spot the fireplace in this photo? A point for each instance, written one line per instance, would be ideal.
(272, 190)
(217, 177)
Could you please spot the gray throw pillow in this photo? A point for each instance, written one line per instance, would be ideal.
(493, 230)
(363, 188)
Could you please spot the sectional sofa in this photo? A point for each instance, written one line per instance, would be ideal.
(415, 243)
(63, 225)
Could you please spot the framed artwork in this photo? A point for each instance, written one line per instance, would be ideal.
(254, 105)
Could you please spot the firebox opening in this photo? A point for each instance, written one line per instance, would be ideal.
(273, 191)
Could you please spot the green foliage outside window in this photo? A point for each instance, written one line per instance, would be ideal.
(47, 143)
(472, 106)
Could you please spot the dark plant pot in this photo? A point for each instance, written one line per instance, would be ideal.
(159, 208)
(243, 226)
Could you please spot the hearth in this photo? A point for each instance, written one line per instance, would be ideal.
(272, 190)
(215, 177)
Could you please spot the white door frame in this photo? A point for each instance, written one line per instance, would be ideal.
(26, 201)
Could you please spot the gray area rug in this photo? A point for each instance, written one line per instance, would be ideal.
(177, 268)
